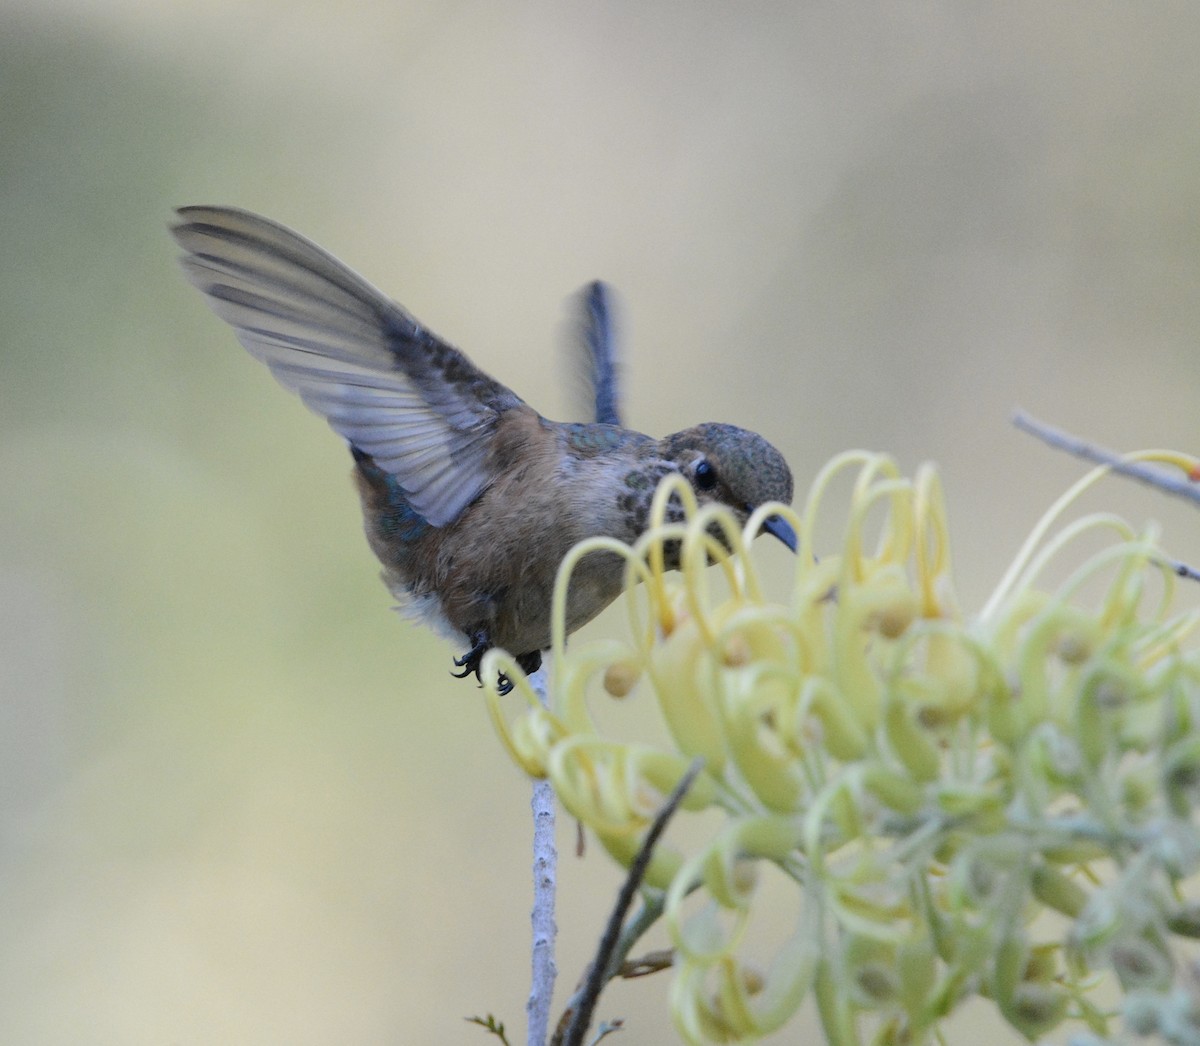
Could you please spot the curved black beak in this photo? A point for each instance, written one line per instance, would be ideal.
(782, 529)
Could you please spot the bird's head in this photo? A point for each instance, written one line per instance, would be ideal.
(736, 468)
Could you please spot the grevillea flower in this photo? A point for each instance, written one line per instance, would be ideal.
(922, 806)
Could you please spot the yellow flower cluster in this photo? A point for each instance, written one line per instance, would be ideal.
(903, 793)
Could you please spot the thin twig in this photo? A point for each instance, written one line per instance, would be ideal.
(651, 962)
(647, 915)
(545, 864)
(599, 972)
(632, 932)
(1157, 478)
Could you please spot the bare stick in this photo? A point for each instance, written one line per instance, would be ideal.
(1158, 478)
(651, 962)
(1154, 477)
(599, 973)
(545, 865)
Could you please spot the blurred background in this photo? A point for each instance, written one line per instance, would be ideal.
(241, 801)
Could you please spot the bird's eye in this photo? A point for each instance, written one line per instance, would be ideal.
(706, 475)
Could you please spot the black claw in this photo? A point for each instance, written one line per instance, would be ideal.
(472, 660)
(475, 654)
(471, 663)
(467, 669)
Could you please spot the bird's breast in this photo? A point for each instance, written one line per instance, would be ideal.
(493, 569)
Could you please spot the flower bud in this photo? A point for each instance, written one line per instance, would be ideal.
(1037, 1009)
(894, 790)
(1056, 891)
(911, 744)
(1181, 776)
(621, 677)
(679, 667)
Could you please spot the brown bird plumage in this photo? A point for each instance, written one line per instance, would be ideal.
(471, 499)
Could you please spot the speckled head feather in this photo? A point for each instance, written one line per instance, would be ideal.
(749, 471)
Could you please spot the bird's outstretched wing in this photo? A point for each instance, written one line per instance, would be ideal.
(418, 406)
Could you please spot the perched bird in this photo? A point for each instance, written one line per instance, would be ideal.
(471, 498)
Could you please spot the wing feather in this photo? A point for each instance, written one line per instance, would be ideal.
(395, 390)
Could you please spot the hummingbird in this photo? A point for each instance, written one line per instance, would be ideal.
(471, 498)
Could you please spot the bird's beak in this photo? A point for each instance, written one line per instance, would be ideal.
(782, 529)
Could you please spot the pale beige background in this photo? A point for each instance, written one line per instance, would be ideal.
(242, 802)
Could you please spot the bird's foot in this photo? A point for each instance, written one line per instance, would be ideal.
(472, 660)
(472, 663)
(530, 662)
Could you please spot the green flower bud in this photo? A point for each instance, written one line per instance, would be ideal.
(1185, 919)
(1056, 891)
(911, 744)
(1181, 776)
(870, 968)
(679, 667)
(1036, 1009)
(894, 790)
(916, 966)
